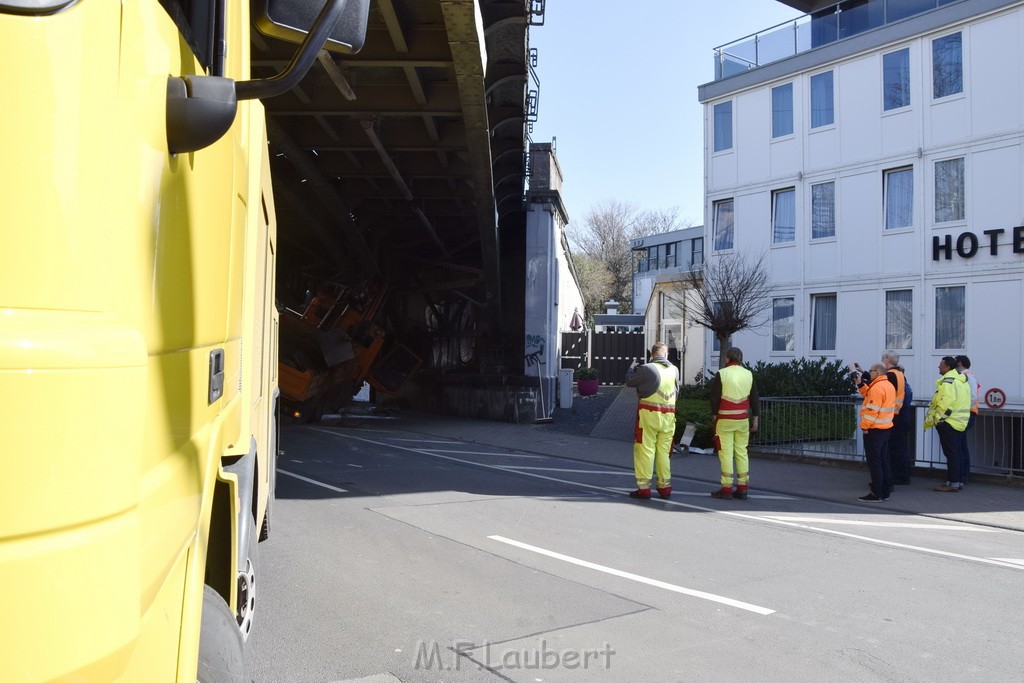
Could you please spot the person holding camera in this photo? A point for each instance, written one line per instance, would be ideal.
(656, 384)
(876, 420)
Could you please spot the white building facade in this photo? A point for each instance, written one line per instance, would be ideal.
(662, 264)
(883, 174)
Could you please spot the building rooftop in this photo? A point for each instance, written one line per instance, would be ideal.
(834, 32)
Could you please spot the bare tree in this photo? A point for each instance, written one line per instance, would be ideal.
(606, 234)
(595, 282)
(731, 291)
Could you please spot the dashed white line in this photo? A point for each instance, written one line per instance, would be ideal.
(636, 577)
(310, 481)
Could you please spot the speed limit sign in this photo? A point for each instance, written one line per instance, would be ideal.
(995, 398)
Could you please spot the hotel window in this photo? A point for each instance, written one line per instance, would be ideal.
(697, 251)
(949, 190)
(899, 319)
(723, 126)
(782, 110)
(823, 210)
(899, 198)
(822, 100)
(947, 66)
(949, 317)
(782, 325)
(896, 79)
(783, 216)
(671, 249)
(723, 225)
(823, 322)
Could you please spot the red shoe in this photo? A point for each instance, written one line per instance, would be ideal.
(643, 494)
(664, 491)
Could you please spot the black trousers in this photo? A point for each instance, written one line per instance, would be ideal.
(899, 452)
(875, 442)
(950, 439)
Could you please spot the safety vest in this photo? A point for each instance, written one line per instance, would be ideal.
(901, 386)
(975, 386)
(664, 399)
(951, 403)
(736, 384)
(879, 404)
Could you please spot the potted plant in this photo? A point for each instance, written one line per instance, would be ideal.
(587, 382)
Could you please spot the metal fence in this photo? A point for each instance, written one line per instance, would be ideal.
(828, 427)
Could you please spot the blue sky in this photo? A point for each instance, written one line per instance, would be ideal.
(619, 94)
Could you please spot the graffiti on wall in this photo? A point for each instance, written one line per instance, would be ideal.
(534, 349)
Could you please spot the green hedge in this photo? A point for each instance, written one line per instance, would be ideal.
(803, 422)
(697, 411)
(803, 377)
(782, 423)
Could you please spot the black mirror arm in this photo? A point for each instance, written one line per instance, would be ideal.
(261, 88)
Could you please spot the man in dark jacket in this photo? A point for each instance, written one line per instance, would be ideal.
(901, 460)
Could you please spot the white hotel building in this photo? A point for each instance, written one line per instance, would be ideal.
(875, 151)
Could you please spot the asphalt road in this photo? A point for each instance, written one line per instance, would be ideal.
(395, 556)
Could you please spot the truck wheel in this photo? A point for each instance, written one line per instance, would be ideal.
(221, 650)
(247, 585)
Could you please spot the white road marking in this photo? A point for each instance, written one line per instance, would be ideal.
(741, 515)
(624, 473)
(450, 443)
(891, 525)
(636, 577)
(352, 465)
(1011, 560)
(441, 450)
(311, 481)
(558, 469)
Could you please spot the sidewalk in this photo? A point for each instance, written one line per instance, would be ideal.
(610, 444)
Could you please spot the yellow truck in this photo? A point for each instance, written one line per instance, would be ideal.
(138, 330)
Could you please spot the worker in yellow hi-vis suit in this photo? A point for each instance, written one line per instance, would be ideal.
(657, 384)
(736, 409)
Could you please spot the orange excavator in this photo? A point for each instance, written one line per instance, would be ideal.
(332, 345)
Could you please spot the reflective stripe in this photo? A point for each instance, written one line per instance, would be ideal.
(733, 410)
(657, 407)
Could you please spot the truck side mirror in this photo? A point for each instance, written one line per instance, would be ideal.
(200, 109)
(292, 20)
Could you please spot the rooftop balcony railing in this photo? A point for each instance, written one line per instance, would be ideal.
(838, 21)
